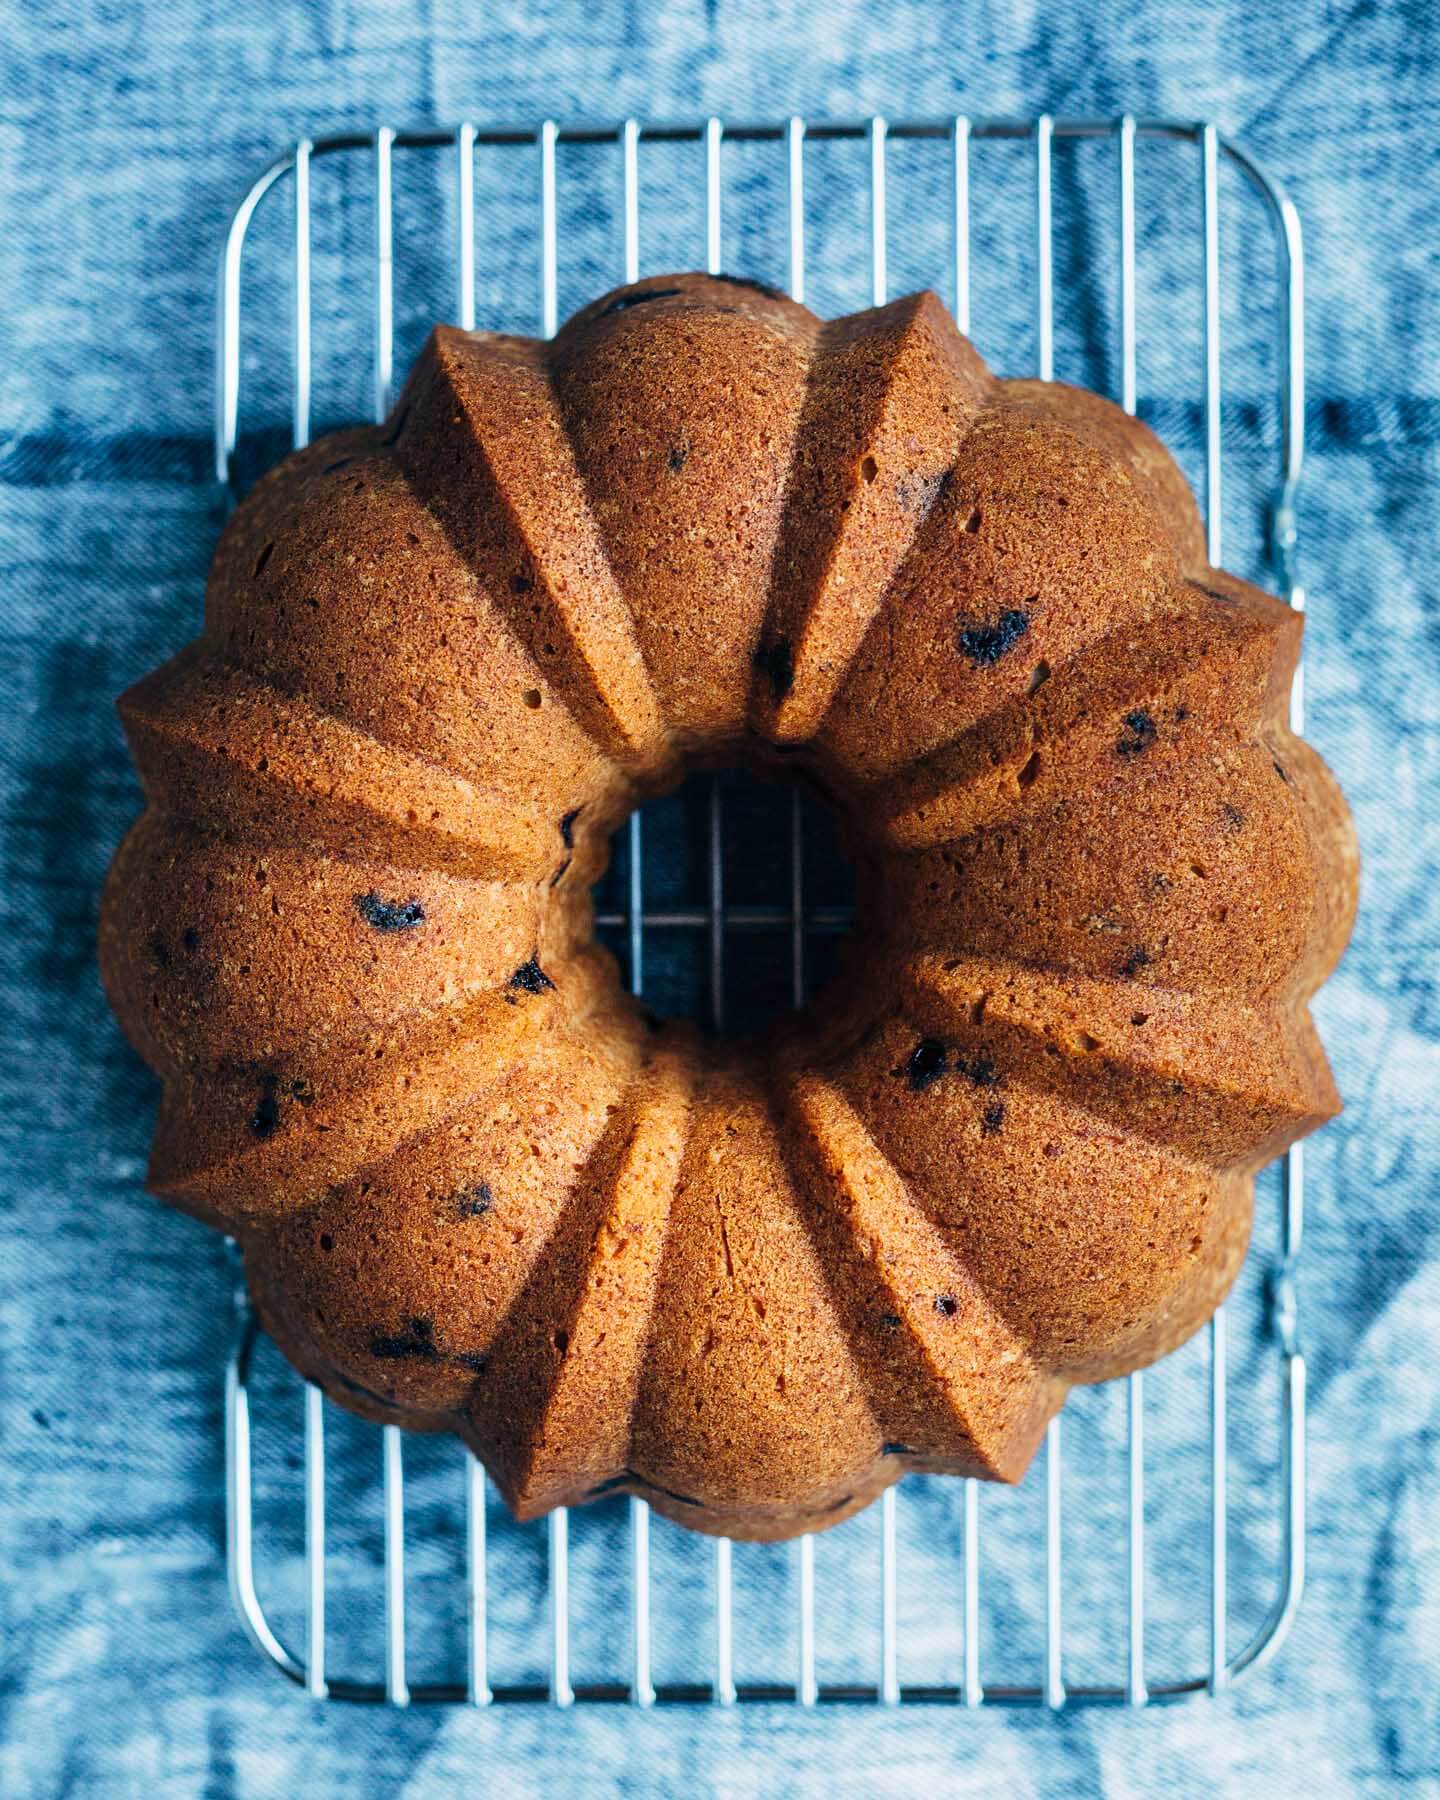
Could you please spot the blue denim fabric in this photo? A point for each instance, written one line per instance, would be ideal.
(126, 134)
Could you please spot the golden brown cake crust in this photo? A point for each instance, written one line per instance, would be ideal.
(477, 1191)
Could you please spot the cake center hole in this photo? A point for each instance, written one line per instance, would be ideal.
(718, 941)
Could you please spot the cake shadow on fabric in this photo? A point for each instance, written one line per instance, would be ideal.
(479, 1188)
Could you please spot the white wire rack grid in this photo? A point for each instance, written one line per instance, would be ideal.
(794, 140)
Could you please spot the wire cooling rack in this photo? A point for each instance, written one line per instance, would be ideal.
(735, 196)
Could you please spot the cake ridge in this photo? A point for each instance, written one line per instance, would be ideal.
(322, 759)
(414, 618)
(262, 1170)
(840, 479)
(1059, 1279)
(1272, 1059)
(581, 716)
(694, 570)
(575, 1433)
(1073, 688)
(1182, 902)
(527, 1352)
(923, 1422)
(1320, 808)
(741, 1311)
(476, 1203)
(621, 710)
(1127, 443)
(242, 954)
(1044, 535)
(368, 730)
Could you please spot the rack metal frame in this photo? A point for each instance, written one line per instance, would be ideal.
(308, 1667)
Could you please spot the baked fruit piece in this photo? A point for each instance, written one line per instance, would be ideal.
(1099, 879)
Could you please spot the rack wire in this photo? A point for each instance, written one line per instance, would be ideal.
(796, 141)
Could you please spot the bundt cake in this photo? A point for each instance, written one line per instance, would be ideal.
(477, 1188)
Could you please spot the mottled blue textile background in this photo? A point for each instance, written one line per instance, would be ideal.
(126, 134)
